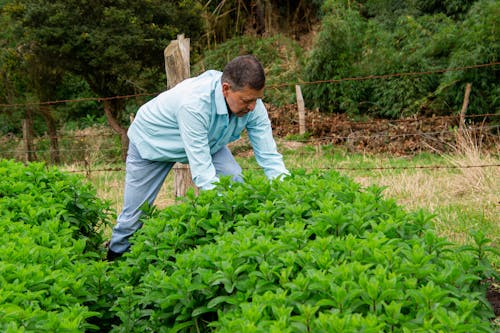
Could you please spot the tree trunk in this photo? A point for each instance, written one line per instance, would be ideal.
(111, 107)
(259, 18)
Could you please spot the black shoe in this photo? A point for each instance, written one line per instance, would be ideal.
(112, 255)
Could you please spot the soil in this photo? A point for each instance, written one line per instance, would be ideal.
(493, 296)
(406, 136)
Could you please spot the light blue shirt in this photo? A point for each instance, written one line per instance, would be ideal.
(190, 122)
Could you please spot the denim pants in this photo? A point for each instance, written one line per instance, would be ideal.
(143, 181)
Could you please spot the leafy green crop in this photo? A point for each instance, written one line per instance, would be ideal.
(34, 193)
(314, 253)
(50, 227)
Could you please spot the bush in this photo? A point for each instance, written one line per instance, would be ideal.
(337, 50)
(314, 252)
(478, 43)
(35, 193)
(410, 40)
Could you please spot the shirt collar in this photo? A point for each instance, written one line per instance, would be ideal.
(220, 101)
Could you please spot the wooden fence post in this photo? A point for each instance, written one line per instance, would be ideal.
(301, 109)
(29, 149)
(178, 69)
(461, 125)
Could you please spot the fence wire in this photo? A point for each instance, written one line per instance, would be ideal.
(83, 140)
(414, 167)
(81, 148)
(279, 85)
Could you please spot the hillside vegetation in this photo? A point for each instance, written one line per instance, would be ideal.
(66, 50)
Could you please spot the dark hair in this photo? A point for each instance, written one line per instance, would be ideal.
(244, 71)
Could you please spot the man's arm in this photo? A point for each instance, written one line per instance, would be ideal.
(265, 149)
(193, 127)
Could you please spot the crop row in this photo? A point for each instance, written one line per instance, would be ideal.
(315, 252)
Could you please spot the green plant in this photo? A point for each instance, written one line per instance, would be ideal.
(310, 253)
(50, 236)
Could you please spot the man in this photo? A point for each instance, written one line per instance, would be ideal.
(193, 122)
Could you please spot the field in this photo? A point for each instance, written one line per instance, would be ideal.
(458, 182)
(458, 185)
(461, 198)
(185, 266)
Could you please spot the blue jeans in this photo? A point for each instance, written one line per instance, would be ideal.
(143, 181)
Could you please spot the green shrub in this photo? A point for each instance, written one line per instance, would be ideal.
(35, 193)
(337, 50)
(405, 42)
(478, 43)
(314, 253)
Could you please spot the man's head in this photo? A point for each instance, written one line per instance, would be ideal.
(243, 82)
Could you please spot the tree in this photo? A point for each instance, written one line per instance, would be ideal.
(115, 46)
(13, 78)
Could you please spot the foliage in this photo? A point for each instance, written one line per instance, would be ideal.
(281, 57)
(116, 47)
(478, 42)
(111, 41)
(379, 38)
(453, 8)
(338, 48)
(35, 193)
(13, 77)
(264, 257)
(254, 257)
(50, 229)
(417, 45)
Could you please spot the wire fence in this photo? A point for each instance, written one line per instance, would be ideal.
(86, 148)
(88, 153)
(374, 168)
(288, 118)
(278, 85)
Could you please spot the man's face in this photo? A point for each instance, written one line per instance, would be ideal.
(243, 101)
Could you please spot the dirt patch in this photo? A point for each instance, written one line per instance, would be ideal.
(493, 296)
(406, 136)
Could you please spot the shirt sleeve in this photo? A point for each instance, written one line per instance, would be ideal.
(193, 126)
(264, 147)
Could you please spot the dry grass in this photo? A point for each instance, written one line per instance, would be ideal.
(463, 199)
(459, 207)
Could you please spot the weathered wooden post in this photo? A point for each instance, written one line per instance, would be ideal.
(461, 125)
(301, 109)
(178, 69)
(29, 148)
